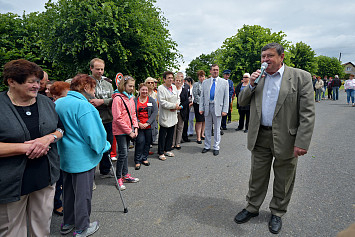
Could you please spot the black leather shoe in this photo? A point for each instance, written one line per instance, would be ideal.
(186, 140)
(199, 142)
(178, 147)
(222, 133)
(238, 129)
(275, 224)
(146, 163)
(216, 152)
(246, 131)
(244, 216)
(205, 150)
(138, 167)
(223, 128)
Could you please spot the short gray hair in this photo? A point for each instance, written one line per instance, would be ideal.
(278, 47)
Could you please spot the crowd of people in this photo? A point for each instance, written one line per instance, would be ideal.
(55, 134)
(332, 86)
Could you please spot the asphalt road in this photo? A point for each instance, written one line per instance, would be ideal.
(196, 194)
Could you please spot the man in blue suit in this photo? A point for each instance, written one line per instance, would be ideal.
(226, 75)
(213, 104)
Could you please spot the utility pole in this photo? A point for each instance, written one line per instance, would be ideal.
(339, 57)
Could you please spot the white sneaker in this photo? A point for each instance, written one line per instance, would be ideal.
(93, 186)
(114, 158)
(93, 227)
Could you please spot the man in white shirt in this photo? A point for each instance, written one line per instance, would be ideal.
(214, 103)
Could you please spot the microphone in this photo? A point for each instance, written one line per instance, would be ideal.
(262, 68)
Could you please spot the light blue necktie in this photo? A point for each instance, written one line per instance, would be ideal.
(213, 88)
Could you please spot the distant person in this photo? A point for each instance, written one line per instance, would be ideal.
(282, 116)
(182, 113)
(244, 111)
(150, 82)
(336, 84)
(349, 86)
(169, 104)
(226, 75)
(189, 123)
(43, 84)
(59, 89)
(200, 118)
(325, 86)
(47, 91)
(214, 103)
(330, 89)
(319, 89)
(103, 102)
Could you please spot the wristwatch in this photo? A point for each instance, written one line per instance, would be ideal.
(55, 138)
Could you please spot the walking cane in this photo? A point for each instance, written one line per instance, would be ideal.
(125, 210)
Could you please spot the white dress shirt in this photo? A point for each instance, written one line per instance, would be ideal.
(270, 95)
(212, 101)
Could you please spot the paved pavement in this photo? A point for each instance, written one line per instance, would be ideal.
(198, 194)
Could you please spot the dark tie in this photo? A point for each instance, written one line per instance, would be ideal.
(213, 88)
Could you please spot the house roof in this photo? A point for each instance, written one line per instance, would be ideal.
(348, 63)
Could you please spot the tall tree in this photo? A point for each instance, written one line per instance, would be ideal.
(130, 35)
(329, 66)
(303, 57)
(241, 53)
(202, 62)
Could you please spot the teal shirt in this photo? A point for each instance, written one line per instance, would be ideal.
(84, 139)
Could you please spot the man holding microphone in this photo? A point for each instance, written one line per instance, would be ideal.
(281, 124)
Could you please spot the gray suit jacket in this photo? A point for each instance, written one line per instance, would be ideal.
(221, 98)
(294, 115)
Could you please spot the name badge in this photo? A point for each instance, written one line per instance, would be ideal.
(149, 104)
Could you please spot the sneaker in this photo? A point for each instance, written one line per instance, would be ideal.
(93, 186)
(114, 158)
(129, 179)
(120, 184)
(105, 176)
(93, 227)
(66, 229)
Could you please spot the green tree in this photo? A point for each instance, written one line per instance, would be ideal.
(241, 53)
(202, 62)
(130, 35)
(329, 66)
(19, 39)
(303, 57)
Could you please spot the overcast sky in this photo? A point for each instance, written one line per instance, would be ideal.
(201, 26)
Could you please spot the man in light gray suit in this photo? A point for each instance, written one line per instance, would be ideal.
(281, 124)
(214, 103)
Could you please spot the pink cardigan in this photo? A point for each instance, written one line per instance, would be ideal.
(121, 124)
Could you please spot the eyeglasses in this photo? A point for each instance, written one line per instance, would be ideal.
(149, 82)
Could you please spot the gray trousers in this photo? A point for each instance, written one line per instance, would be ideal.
(210, 119)
(262, 158)
(77, 194)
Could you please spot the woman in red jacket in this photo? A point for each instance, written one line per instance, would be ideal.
(124, 127)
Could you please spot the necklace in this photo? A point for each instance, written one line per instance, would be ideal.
(26, 108)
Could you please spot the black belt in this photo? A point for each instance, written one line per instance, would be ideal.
(266, 127)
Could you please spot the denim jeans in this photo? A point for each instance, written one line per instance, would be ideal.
(143, 141)
(325, 89)
(335, 93)
(122, 159)
(350, 93)
(318, 94)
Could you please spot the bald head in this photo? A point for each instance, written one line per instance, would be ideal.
(43, 82)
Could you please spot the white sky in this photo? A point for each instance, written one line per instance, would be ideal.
(201, 26)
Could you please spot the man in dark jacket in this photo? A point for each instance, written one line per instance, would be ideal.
(336, 84)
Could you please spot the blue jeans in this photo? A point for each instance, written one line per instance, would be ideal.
(143, 141)
(335, 93)
(122, 159)
(350, 93)
(318, 94)
(325, 89)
